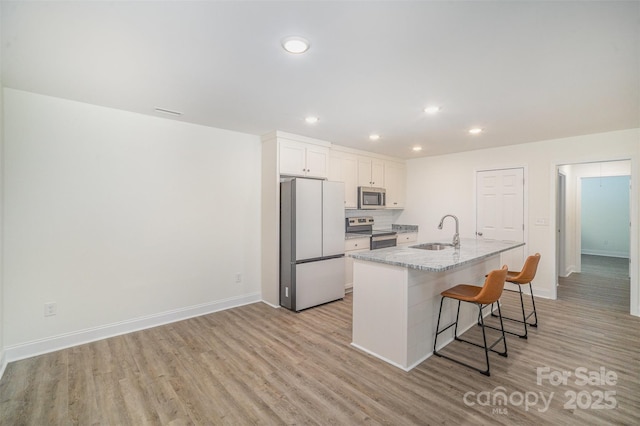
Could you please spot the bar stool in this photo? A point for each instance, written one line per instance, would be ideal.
(525, 276)
(482, 297)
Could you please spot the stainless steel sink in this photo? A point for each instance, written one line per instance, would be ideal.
(433, 246)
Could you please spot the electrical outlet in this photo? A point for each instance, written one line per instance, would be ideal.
(238, 277)
(50, 309)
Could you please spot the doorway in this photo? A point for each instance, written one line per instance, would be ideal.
(593, 234)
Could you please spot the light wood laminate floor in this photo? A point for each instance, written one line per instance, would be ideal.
(259, 365)
(604, 282)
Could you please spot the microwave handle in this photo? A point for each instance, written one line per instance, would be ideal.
(384, 199)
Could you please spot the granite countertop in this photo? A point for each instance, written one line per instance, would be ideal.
(437, 260)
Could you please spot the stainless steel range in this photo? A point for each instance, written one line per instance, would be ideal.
(364, 225)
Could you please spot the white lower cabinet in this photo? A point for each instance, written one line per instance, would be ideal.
(353, 246)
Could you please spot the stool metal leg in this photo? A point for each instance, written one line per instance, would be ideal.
(485, 346)
(525, 317)
(533, 302)
(435, 341)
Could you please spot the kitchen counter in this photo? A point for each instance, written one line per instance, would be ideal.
(396, 296)
(470, 250)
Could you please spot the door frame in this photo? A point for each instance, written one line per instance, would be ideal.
(561, 225)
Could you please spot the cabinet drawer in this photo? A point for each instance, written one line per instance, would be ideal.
(356, 244)
(411, 237)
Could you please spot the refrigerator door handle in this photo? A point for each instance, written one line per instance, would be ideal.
(317, 259)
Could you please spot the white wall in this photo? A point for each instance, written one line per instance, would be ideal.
(605, 216)
(124, 220)
(446, 184)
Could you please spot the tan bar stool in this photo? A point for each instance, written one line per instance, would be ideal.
(525, 276)
(482, 297)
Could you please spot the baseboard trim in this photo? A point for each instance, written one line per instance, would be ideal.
(3, 363)
(271, 304)
(388, 361)
(569, 270)
(620, 254)
(67, 340)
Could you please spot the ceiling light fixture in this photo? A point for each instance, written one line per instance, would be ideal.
(374, 137)
(295, 44)
(432, 109)
(311, 120)
(476, 130)
(417, 148)
(168, 111)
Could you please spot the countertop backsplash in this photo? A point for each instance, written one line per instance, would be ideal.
(404, 228)
(384, 219)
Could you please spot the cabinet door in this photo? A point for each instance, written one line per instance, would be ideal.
(350, 179)
(335, 166)
(343, 167)
(292, 158)
(353, 246)
(317, 161)
(395, 183)
(364, 171)
(377, 173)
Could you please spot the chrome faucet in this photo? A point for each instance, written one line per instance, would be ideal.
(456, 236)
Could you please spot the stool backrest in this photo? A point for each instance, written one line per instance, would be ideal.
(529, 269)
(493, 286)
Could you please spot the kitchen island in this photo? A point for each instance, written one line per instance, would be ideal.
(396, 296)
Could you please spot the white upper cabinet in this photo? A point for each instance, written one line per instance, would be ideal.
(395, 184)
(371, 172)
(303, 159)
(343, 167)
(356, 168)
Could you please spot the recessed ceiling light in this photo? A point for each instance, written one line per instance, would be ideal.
(295, 44)
(311, 120)
(417, 148)
(374, 137)
(432, 109)
(475, 130)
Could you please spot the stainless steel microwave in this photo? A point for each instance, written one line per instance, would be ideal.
(371, 198)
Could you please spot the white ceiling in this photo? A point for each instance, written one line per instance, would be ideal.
(523, 71)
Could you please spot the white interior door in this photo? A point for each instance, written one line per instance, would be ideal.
(500, 210)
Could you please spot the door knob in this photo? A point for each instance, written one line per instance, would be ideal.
(479, 234)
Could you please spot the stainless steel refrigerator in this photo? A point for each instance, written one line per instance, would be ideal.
(311, 243)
